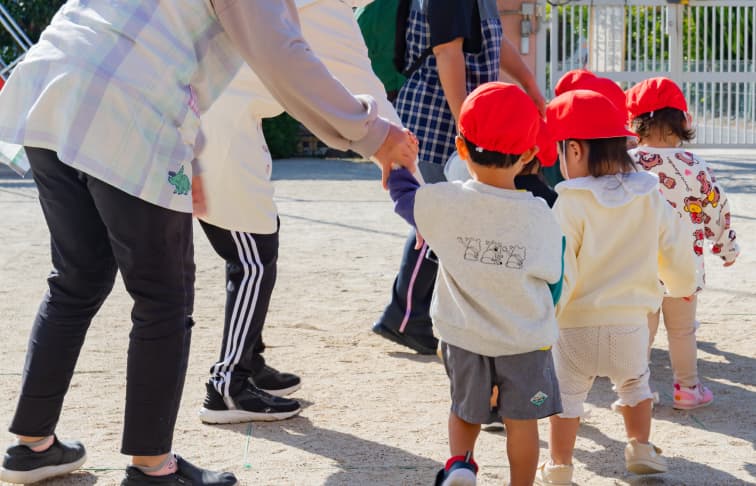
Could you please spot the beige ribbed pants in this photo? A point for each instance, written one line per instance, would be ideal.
(681, 324)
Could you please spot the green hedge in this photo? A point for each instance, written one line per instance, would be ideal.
(281, 134)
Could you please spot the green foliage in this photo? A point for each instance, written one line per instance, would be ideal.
(32, 16)
(281, 135)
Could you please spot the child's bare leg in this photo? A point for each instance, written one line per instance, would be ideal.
(638, 421)
(522, 450)
(462, 435)
(562, 438)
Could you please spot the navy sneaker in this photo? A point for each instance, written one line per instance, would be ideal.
(272, 381)
(186, 474)
(251, 404)
(21, 465)
(459, 471)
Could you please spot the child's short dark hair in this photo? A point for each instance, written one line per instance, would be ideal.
(607, 156)
(489, 158)
(666, 121)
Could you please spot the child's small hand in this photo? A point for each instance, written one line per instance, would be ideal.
(400, 148)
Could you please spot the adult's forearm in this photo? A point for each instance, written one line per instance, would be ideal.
(268, 36)
(511, 63)
(450, 61)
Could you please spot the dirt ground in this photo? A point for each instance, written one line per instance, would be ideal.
(374, 413)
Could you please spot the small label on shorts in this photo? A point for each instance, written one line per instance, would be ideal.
(539, 398)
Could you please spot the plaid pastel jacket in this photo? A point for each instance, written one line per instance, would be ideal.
(100, 89)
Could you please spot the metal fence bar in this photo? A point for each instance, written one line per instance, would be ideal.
(9, 24)
(13, 29)
(728, 106)
(722, 87)
(716, 69)
(753, 85)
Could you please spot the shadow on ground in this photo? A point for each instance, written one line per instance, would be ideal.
(360, 461)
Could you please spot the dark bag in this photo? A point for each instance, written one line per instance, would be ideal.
(400, 42)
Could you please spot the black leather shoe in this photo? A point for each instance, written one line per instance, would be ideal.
(423, 344)
(187, 474)
(21, 465)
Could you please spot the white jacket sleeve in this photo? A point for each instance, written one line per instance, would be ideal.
(572, 228)
(268, 37)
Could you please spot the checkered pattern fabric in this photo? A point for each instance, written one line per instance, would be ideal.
(421, 103)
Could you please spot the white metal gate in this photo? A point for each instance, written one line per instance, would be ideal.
(708, 47)
(19, 37)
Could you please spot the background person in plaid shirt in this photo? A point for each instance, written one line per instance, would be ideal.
(468, 49)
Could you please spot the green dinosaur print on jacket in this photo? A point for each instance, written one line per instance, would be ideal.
(180, 182)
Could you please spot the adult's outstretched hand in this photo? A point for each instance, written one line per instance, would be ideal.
(400, 147)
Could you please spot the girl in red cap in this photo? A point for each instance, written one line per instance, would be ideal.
(658, 111)
(611, 276)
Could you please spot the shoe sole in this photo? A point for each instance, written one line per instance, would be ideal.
(240, 416)
(283, 392)
(646, 467)
(28, 477)
(692, 407)
(546, 482)
(460, 477)
(387, 333)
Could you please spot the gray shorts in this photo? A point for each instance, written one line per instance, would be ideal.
(528, 387)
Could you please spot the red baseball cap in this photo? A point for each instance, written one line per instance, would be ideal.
(571, 79)
(499, 117)
(654, 94)
(584, 115)
(608, 88)
(547, 152)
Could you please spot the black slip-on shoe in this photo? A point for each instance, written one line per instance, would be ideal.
(21, 465)
(187, 474)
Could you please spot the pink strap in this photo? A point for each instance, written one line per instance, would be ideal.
(420, 258)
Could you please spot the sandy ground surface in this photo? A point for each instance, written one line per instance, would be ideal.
(374, 413)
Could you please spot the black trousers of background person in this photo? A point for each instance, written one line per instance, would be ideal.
(96, 229)
(251, 264)
(419, 321)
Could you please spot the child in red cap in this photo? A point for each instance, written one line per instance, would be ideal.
(500, 267)
(621, 236)
(658, 111)
(585, 79)
(531, 177)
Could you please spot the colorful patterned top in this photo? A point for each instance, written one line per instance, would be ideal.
(689, 185)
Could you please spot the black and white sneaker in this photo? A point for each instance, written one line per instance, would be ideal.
(21, 465)
(251, 404)
(186, 474)
(272, 381)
